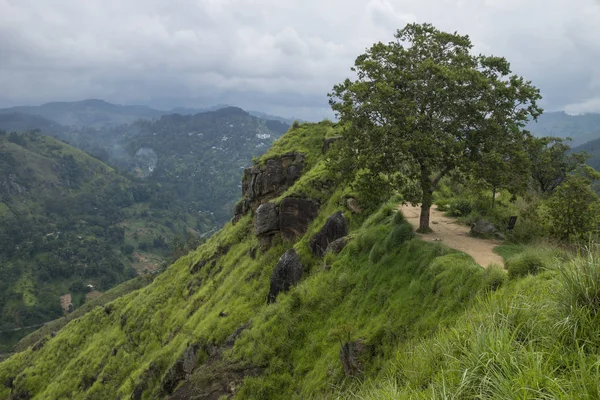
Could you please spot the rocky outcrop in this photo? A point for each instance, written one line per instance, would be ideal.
(337, 245)
(287, 273)
(289, 219)
(353, 356)
(483, 228)
(295, 214)
(335, 228)
(264, 182)
(267, 219)
(216, 378)
(182, 368)
(10, 187)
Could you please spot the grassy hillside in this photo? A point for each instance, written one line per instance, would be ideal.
(412, 319)
(67, 221)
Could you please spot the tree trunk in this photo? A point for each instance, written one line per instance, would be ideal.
(427, 199)
(424, 219)
(493, 197)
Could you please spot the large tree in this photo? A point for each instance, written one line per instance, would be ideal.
(423, 106)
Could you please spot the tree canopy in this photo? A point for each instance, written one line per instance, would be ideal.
(423, 106)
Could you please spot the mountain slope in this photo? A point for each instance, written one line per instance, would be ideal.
(67, 221)
(592, 148)
(19, 122)
(257, 312)
(132, 346)
(580, 128)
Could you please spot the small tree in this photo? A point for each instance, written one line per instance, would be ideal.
(552, 162)
(503, 166)
(423, 106)
(574, 208)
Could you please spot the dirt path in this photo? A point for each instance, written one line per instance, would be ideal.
(452, 234)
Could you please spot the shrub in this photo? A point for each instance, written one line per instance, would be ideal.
(399, 235)
(399, 218)
(461, 207)
(526, 263)
(494, 277)
(580, 281)
(573, 209)
(377, 252)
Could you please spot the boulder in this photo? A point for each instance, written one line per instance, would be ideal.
(337, 245)
(287, 273)
(190, 359)
(295, 214)
(483, 228)
(353, 356)
(267, 220)
(335, 228)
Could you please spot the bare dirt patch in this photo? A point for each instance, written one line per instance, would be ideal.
(451, 233)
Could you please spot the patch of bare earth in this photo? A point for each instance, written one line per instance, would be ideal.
(451, 233)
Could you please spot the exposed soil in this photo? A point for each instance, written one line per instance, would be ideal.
(455, 235)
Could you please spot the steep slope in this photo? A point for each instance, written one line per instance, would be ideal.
(202, 303)
(263, 310)
(580, 128)
(67, 221)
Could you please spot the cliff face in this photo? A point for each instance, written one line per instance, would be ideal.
(263, 309)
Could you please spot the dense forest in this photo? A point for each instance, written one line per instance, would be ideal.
(73, 225)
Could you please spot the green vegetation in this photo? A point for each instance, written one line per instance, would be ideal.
(69, 221)
(430, 321)
(592, 148)
(423, 107)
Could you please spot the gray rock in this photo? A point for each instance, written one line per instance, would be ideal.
(267, 221)
(295, 214)
(272, 178)
(190, 359)
(287, 273)
(483, 227)
(335, 228)
(337, 245)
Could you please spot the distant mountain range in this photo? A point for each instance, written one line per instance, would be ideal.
(96, 114)
(581, 128)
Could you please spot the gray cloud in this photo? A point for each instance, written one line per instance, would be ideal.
(277, 56)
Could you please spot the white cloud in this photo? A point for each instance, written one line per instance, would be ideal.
(275, 55)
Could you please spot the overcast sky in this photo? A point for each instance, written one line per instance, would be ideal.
(276, 56)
